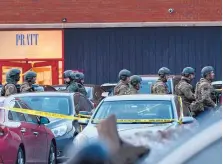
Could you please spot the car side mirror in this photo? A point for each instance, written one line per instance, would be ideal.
(105, 94)
(44, 120)
(187, 120)
(83, 121)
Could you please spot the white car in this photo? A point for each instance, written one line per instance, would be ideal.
(136, 107)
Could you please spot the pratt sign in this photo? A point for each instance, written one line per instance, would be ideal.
(30, 44)
(27, 39)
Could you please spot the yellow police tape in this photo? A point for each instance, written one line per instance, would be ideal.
(46, 114)
(82, 117)
(141, 120)
(86, 117)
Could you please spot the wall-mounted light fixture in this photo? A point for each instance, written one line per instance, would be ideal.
(64, 20)
(170, 10)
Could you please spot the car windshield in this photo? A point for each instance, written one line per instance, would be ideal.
(38, 88)
(147, 83)
(89, 91)
(135, 109)
(53, 104)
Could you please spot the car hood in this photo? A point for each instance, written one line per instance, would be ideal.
(127, 129)
(55, 122)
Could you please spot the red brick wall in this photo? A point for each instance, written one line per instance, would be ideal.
(52, 11)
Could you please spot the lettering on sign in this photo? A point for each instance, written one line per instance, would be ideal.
(27, 39)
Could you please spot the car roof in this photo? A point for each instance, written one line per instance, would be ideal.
(60, 85)
(216, 82)
(43, 94)
(108, 84)
(90, 85)
(155, 75)
(140, 97)
(151, 78)
(63, 85)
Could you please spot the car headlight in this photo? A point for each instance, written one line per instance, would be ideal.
(61, 130)
(80, 140)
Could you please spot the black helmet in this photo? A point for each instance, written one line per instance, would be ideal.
(82, 76)
(29, 76)
(123, 74)
(206, 70)
(135, 79)
(72, 76)
(77, 76)
(164, 71)
(67, 73)
(13, 74)
(187, 71)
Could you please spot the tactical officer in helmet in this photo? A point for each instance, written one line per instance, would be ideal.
(160, 87)
(185, 89)
(69, 79)
(204, 92)
(11, 86)
(30, 79)
(135, 84)
(123, 85)
(79, 77)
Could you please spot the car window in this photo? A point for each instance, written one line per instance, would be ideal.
(85, 104)
(210, 154)
(29, 118)
(61, 88)
(15, 116)
(136, 109)
(146, 85)
(52, 104)
(38, 88)
(89, 91)
(217, 86)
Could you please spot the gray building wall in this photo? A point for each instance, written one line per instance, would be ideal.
(103, 52)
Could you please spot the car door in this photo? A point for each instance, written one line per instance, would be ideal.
(39, 131)
(97, 91)
(85, 104)
(81, 104)
(25, 131)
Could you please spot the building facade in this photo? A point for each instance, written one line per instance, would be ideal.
(97, 11)
(101, 38)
